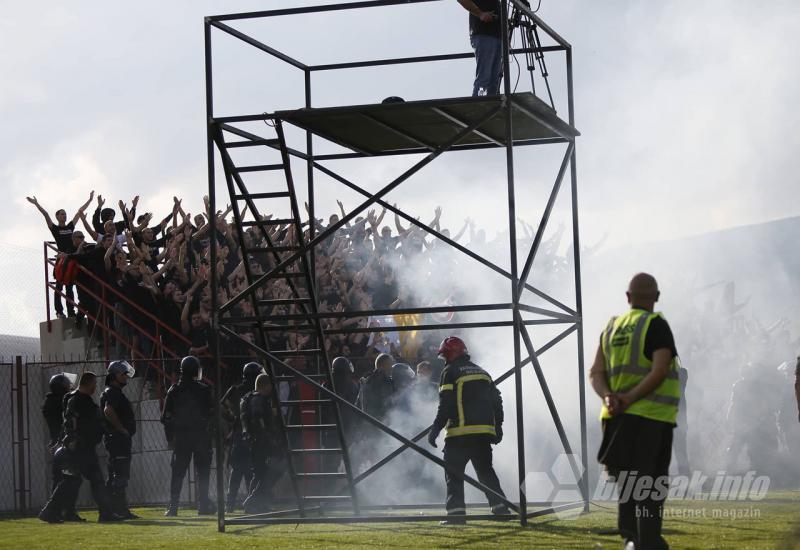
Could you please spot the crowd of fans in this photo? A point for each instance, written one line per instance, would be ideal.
(163, 266)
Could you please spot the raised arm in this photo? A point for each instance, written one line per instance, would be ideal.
(88, 227)
(44, 213)
(82, 209)
(461, 233)
(341, 209)
(397, 224)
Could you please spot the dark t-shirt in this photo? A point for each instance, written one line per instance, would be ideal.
(63, 237)
(476, 26)
(659, 336)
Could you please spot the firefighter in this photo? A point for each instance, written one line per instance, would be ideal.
(82, 429)
(187, 417)
(259, 416)
(635, 372)
(120, 426)
(238, 454)
(471, 413)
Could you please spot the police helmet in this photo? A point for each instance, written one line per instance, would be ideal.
(252, 370)
(342, 366)
(402, 375)
(190, 367)
(120, 367)
(62, 382)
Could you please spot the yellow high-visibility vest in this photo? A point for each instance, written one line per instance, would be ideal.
(626, 366)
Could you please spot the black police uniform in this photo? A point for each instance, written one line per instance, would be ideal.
(118, 446)
(188, 410)
(375, 395)
(82, 424)
(53, 411)
(238, 453)
(471, 412)
(259, 427)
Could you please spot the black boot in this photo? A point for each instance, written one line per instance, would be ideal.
(172, 511)
(72, 516)
(50, 514)
(206, 508)
(109, 517)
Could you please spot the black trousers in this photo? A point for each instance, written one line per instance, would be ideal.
(634, 447)
(188, 447)
(57, 299)
(87, 466)
(118, 447)
(458, 451)
(239, 461)
(266, 462)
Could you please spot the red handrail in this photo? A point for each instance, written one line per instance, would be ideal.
(105, 285)
(104, 303)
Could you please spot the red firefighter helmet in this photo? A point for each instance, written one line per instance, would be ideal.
(452, 348)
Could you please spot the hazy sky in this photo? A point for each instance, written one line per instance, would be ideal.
(687, 111)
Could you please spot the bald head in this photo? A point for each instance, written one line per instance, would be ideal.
(643, 291)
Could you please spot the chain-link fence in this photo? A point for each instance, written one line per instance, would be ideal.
(25, 461)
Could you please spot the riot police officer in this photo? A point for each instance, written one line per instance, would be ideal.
(471, 412)
(53, 411)
(120, 426)
(259, 417)
(376, 389)
(238, 454)
(187, 415)
(53, 406)
(403, 380)
(82, 429)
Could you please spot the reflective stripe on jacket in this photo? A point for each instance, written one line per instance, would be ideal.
(626, 366)
(469, 402)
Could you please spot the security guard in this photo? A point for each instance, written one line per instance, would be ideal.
(188, 411)
(83, 429)
(259, 416)
(238, 454)
(635, 373)
(471, 412)
(120, 427)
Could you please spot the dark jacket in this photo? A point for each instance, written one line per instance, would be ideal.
(375, 394)
(259, 421)
(116, 399)
(469, 402)
(82, 419)
(188, 410)
(53, 411)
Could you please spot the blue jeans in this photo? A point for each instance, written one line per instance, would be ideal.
(489, 69)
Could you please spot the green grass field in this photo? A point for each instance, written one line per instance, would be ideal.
(771, 523)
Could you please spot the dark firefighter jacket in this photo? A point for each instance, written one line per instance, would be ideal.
(469, 402)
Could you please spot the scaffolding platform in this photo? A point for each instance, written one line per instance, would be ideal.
(417, 126)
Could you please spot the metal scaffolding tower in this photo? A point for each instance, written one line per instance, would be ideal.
(431, 128)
